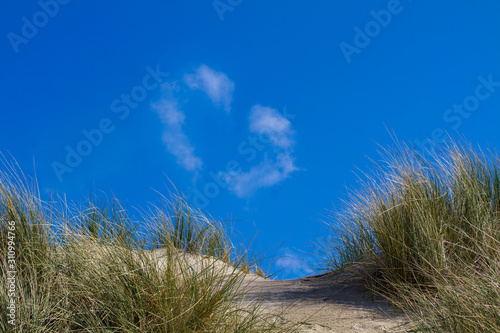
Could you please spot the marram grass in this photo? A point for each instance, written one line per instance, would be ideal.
(430, 227)
(88, 268)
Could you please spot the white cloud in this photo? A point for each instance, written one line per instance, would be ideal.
(175, 140)
(266, 174)
(215, 84)
(267, 122)
(292, 264)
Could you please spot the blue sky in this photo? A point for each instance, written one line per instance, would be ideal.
(258, 111)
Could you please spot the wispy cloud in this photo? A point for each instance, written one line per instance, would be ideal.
(265, 174)
(216, 85)
(173, 137)
(293, 264)
(268, 122)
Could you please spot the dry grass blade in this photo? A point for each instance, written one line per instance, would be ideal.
(432, 225)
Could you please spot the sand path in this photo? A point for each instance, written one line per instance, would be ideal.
(332, 302)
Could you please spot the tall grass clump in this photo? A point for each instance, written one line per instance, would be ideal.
(89, 267)
(429, 225)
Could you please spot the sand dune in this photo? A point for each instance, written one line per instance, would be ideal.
(333, 302)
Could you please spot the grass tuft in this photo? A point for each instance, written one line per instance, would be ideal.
(431, 225)
(89, 268)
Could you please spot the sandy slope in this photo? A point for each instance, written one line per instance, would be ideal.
(333, 302)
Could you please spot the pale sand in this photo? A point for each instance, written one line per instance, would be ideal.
(333, 302)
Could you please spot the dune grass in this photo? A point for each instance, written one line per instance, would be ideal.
(89, 268)
(430, 227)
